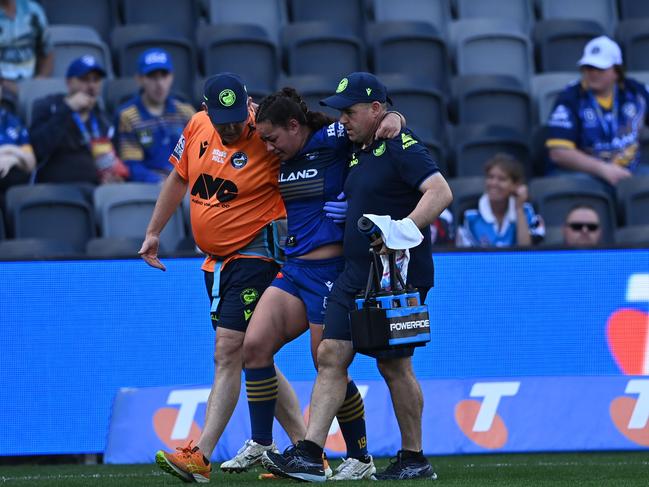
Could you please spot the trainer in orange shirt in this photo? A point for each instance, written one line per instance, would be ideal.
(234, 199)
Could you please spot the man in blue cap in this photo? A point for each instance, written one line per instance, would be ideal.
(396, 178)
(151, 122)
(71, 134)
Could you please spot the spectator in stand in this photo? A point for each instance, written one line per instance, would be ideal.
(25, 49)
(71, 134)
(442, 231)
(504, 217)
(152, 121)
(595, 126)
(582, 227)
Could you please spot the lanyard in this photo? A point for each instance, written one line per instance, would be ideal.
(609, 127)
(94, 127)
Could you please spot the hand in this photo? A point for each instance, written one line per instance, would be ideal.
(389, 127)
(520, 193)
(379, 247)
(613, 174)
(80, 102)
(149, 252)
(336, 210)
(7, 161)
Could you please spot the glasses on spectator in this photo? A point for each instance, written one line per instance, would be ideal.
(580, 226)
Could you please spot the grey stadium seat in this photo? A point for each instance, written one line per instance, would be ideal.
(466, 193)
(179, 17)
(633, 36)
(51, 211)
(118, 91)
(32, 89)
(633, 200)
(633, 9)
(560, 42)
(73, 41)
(313, 89)
(633, 235)
(602, 11)
(124, 210)
(435, 12)
(35, 248)
(519, 12)
(101, 17)
(114, 247)
(545, 89)
(271, 15)
(347, 13)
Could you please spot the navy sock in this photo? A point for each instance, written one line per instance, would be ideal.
(310, 448)
(351, 418)
(261, 388)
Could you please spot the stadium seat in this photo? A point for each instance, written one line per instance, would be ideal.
(124, 210)
(186, 246)
(129, 41)
(118, 91)
(633, 35)
(32, 89)
(492, 46)
(35, 248)
(423, 105)
(395, 45)
(641, 76)
(349, 14)
(101, 17)
(323, 49)
(475, 144)
(466, 193)
(633, 200)
(313, 89)
(520, 12)
(174, 16)
(3, 232)
(603, 12)
(633, 9)
(73, 41)
(435, 12)
(438, 151)
(545, 89)
(554, 197)
(114, 247)
(268, 14)
(553, 237)
(492, 99)
(560, 42)
(633, 235)
(51, 211)
(244, 49)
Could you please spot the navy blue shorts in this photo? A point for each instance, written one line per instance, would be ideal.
(310, 281)
(338, 326)
(242, 283)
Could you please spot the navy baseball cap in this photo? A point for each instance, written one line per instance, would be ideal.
(154, 59)
(357, 88)
(83, 65)
(226, 98)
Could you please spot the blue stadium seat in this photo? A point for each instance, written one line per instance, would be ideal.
(435, 12)
(633, 9)
(545, 89)
(560, 43)
(244, 49)
(349, 14)
(177, 17)
(313, 89)
(73, 41)
(114, 247)
(633, 235)
(129, 41)
(396, 45)
(466, 193)
(32, 89)
(519, 12)
(492, 46)
(492, 99)
(554, 197)
(124, 210)
(36, 248)
(268, 14)
(101, 15)
(322, 48)
(603, 12)
(51, 211)
(423, 104)
(633, 35)
(475, 144)
(633, 200)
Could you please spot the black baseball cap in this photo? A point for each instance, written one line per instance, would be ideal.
(226, 98)
(355, 88)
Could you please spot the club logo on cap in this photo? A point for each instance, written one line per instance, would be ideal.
(369, 91)
(342, 85)
(227, 98)
(595, 50)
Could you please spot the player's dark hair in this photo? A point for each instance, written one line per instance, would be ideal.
(509, 164)
(287, 104)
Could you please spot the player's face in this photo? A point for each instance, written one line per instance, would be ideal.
(156, 85)
(601, 81)
(582, 228)
(499, 185)
(281, 141)
(359, 121)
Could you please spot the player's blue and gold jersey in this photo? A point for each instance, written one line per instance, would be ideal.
(604, 128)
(385, 180)
(315, 175)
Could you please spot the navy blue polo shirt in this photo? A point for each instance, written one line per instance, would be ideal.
(384, 179)
(608, 131)
(316, 174)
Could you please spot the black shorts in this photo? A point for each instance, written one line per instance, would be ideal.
(242, 283)
(338, 327)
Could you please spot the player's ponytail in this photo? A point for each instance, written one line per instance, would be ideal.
(287, 104)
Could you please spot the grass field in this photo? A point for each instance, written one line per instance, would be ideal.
(569, 469)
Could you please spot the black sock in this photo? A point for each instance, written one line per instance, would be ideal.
(414, 455)
(311, 449)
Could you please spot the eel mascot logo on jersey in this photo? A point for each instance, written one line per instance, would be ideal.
(227, 98)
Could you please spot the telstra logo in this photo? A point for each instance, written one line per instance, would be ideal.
(479, 420)
(630, 415)
(175, 425)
